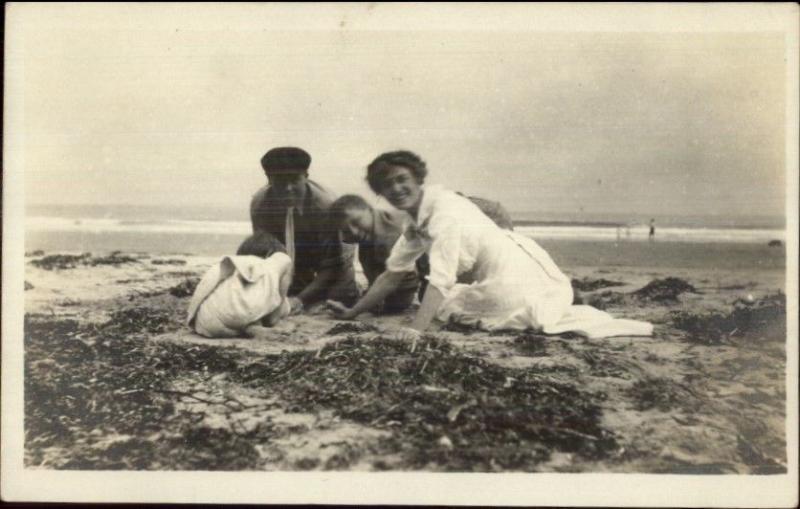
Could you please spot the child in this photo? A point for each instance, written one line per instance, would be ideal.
(242, 293)
(375, 231)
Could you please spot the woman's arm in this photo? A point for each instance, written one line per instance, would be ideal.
(427, 311)
(385, 284)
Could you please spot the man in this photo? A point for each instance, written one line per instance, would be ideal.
(294, 209)
(375, 231)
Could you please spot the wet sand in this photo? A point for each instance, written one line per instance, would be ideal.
(114, 380)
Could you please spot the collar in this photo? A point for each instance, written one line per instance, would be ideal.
(419, 228)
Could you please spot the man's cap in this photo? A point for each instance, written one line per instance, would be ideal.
(286, 159)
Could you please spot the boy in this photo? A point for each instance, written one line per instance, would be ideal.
(375, 231)
(241, 294)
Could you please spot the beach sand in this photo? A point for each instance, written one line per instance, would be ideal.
(114, 380)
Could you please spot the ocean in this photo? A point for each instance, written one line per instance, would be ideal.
(218, 231)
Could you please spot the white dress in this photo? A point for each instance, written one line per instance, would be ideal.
(516, 283)
(237, 292)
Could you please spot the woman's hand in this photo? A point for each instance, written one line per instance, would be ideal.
(339, 310)
(406, 334)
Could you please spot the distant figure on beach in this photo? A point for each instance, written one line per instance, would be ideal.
(514, 284)
(242, 294)
(294, 209)
(652, 229)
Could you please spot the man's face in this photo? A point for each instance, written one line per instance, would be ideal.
(290, 186)
(357, 225)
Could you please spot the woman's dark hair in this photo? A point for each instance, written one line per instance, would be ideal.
(377, 169)
(261, 244)
(336, 212)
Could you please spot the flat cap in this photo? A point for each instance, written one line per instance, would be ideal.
(286, 158)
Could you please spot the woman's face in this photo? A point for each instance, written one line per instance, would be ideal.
(401, 188)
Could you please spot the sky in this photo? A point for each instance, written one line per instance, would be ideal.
(640, 124)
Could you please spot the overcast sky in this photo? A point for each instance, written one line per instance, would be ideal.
(641, 124)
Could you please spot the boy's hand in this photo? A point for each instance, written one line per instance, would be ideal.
(339, 310)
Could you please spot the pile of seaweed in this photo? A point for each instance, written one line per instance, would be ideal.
(65, 261)
(661, 394)
(446, 410)
(589, 285)
(664, 290)
(657, 291)
(102, 397)
(761, 320)
(99, 398)
(168, 261)
(532, 345)
(185, 288)
(350, 328)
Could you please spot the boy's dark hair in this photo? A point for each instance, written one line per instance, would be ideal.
(339, 207)
(261, 244)
(376, 171)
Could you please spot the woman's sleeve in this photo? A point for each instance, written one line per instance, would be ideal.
(445, 232)
(404, 254)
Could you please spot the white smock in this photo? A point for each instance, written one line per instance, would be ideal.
(237, 292)
(516, 284)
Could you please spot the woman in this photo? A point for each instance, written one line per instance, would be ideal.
(515, 284)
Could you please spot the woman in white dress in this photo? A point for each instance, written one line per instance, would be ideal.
(514, 282)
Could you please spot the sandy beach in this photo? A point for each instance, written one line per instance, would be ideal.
(114, 380)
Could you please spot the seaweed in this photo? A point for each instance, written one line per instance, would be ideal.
(350, 328)
(84, 386)
(184, 288)
(531, 345)
(604, 300)
(664, 290)
(60, 261)
(752, 456)
(139, 319)
(63, 261)
(589, 285)
(453, 326)
(763, 319)
(169, 261)
(115, 258)
(657, 291)
(659, 393)
(494, 417)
